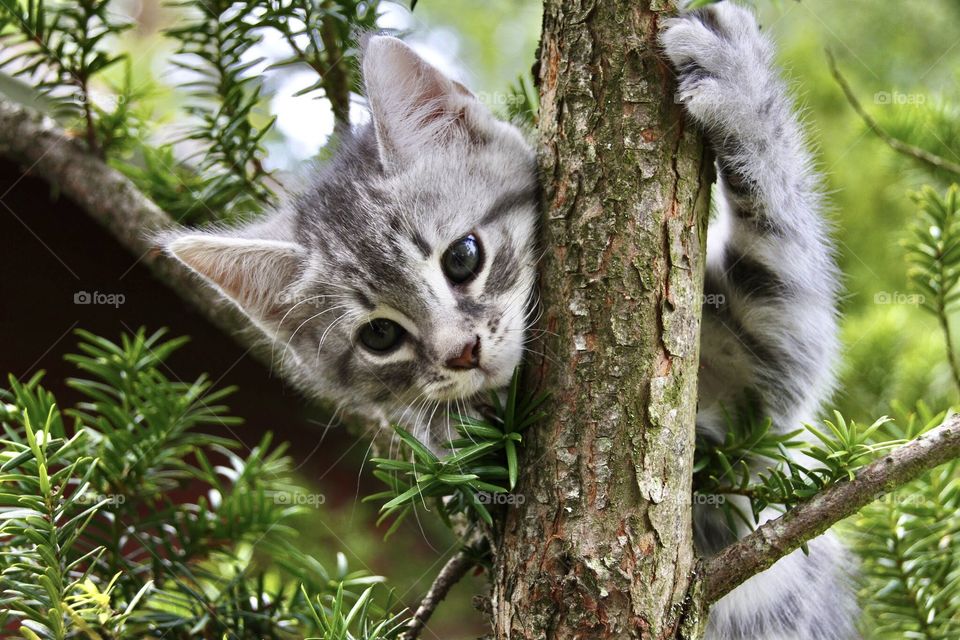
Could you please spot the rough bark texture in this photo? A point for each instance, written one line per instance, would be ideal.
(601, 545)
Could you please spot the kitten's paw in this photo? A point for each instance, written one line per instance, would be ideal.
(723, 65)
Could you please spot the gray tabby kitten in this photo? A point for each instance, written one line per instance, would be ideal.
(400, 281)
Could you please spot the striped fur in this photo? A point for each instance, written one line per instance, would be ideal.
(769, 334)
(363, 239)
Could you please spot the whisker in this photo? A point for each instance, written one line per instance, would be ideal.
(273, 345)
(323, 337)
(286, 347)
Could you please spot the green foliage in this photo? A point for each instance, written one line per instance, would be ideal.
(175, 187)
(212, 47)
(894, 352)
(338, 620)
(319, 36)
(782, 470)
(931, 123)
(910, 576)
(45, 571)
(910, 552)
(59, 47)
(98, 540)
(933, 251)
(907, 541)
(129, 444)
(479, 462)
(523, 103)
(120, 130)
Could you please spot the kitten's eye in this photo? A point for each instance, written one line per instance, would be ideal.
(462, 260)
(381, 335)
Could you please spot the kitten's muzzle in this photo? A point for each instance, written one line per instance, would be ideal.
(469, 357)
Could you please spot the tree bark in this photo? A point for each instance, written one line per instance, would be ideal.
(601, 546)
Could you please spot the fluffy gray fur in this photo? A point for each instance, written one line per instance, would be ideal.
(364, 241)
(365, 238)
(769, 336)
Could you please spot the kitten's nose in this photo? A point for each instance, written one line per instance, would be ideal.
(469, 358)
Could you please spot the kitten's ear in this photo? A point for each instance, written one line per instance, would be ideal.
(253, 273)
(413, 104)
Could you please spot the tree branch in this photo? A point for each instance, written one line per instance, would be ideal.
(43, 149)
(453, 571)
(912, 151)
(776, 538)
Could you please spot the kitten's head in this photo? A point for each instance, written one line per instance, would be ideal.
(405, 271)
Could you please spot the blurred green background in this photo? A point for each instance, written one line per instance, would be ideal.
(901, 58)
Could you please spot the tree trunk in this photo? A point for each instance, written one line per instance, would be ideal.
(601, 544)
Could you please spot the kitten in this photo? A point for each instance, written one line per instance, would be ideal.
(400, 281)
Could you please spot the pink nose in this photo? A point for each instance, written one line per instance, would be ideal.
(469, 358)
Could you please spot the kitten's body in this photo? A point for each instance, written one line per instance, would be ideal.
(369, 240)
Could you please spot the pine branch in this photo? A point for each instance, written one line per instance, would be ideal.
(213, 44)
(933, 252)
(909, 561)
(94, 547)
(464, 481)
(319, 35)
(775, 539)
(922, 155)
(60, 49)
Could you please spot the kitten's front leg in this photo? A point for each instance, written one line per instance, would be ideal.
(773, 334)
(774, 270)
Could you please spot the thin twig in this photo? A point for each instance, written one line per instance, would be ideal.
(336, 82)
(776, 538)
(453, 571)
(333, 75)
(912, 151)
